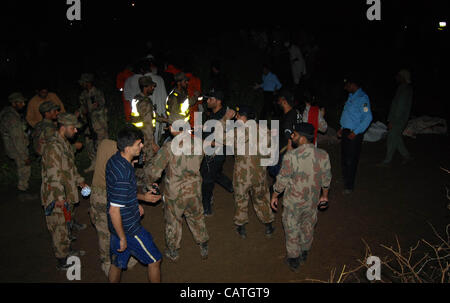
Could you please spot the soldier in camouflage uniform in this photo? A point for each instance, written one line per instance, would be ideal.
(143, 116)
(182, 192)
(59, 189)
(93, 113)
(15, 140)
(249, 177)
(46, 128)
(304, 172)
(178, 101)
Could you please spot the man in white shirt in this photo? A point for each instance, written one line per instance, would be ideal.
(159, 97)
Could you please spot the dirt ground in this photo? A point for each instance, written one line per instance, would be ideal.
(387, 202)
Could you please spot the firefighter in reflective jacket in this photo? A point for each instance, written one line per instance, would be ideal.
(143, 116)
(178, 100)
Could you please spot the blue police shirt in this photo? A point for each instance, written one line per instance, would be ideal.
(357, 115)
(270, 83)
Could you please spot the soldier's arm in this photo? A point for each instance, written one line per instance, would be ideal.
(326, 177)
(285, 174)
(159, 162)
(52, 165)
(228, 132)
(100, 99)
(20, 139)
(323, 125)
(366, 115)
(326, 171)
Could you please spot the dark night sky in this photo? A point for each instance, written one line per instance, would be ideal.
(48, 18)
(118, 29)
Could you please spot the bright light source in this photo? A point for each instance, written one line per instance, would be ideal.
(442, 24)
(133, 4)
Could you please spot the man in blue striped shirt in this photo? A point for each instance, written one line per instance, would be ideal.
(128, 237)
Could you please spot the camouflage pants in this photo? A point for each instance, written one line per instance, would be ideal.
(59, 232)
(298, 223)
(97, 213)
(261, 202)
(23, 174)
(191, 207)
(91, 145)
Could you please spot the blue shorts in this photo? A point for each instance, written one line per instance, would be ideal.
(141, 246)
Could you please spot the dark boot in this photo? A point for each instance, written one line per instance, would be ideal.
(241, 231)
(77, 226)
(303, 256)
(293, 263)
(269, 230)
(172, 254)
(204, 250)
(62, 264)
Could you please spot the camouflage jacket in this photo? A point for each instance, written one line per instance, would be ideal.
(304, 171)
(87, 101)
(60, 177)
(182, 172)
(42, 132)
(12, 129)
(175, 100)
(247, 166)
(146, 110)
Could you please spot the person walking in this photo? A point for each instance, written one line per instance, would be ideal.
(182, 190)
(305, 178)
(128, 236)
(398, 118)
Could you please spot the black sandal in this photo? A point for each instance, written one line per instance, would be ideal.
(323, 205)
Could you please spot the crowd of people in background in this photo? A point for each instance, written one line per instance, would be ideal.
(152, 101)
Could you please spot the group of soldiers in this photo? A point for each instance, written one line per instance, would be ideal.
(182, 177)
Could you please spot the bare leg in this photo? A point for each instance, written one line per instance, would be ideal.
(154, 272)
(114, 274)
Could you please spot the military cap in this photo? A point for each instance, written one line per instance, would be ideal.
(47, 106)
(353, 77)
(288, 96)
(305, 129)
(217, 94)
(146, 81)
(68, 119)
(180, 77)
(16, 97)
(86, 78)
(246, 110)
